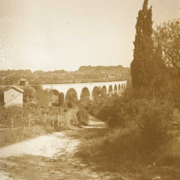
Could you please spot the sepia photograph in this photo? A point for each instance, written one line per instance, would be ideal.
(89, 89)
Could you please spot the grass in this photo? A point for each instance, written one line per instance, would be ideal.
(7, 136)
(121, 151)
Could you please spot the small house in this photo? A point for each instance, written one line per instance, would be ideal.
(12, 96)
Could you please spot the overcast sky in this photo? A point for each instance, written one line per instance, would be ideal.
(66, 34)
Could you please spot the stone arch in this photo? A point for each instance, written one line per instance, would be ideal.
(95, 92)
(55, 92)
(115, 88)
(85, 93)
(110, 90)
(71, 94)
(104, 89)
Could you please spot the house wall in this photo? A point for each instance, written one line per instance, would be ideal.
(13, 97)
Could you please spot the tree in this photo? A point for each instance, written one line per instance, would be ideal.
(43, 97)
(29, 91)
(167, 39)
(142, 66)
(61, 99)
(36, 84)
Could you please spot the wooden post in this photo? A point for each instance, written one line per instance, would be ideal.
(12, 124)
(45, 118)
(58, 120)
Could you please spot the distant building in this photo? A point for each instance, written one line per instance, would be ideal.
(23, 82)
(12, 96)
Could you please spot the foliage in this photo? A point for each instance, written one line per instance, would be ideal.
(167, 43)
(115, 111)
(85, 103)
(43, 97)
(97, 92)
(121, 150)
(153, 115)
(21, 115)
(167, 39)
(110, 150)
(154, 119)
(37, 78)
(36, 84)
(28, 93)
(82, 116)
(71, 99)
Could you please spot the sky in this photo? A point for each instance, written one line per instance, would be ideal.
(65, 34)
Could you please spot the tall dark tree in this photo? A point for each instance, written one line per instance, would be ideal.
(142, 66)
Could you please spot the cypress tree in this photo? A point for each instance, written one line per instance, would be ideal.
(142, 64)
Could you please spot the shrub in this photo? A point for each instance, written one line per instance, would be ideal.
(29, 91)
(55, 104)
(82, 116)
(86, 104)
(43, 97)
(71, 100)
(154, 121)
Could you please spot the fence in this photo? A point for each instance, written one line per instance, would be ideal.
(16, 117)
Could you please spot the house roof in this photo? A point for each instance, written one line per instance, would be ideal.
(15, 88)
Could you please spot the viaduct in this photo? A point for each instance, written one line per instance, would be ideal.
(86, 90)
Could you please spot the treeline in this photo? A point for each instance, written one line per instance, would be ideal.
(96, 68)
(10, 77)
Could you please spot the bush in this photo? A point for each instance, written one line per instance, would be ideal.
(82, 116)
(71, 99)
(155, 117)
(29, 91)
(152, 115)
(116, 111)
(43, 97)
(86, 104)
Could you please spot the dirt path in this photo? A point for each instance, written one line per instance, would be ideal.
(47, 157)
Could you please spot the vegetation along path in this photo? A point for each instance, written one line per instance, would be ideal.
(48, 157)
